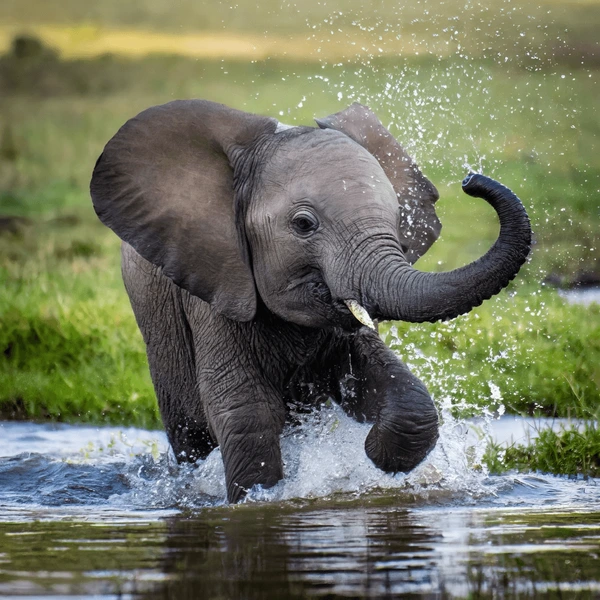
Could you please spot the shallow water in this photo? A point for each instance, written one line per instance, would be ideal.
(585, 296)
(106, 513)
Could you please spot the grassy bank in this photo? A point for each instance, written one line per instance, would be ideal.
(70, 347)
(569, 452)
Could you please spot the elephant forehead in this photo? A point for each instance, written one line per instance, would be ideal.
(327, 164)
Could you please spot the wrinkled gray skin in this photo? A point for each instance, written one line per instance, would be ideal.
(244, 240)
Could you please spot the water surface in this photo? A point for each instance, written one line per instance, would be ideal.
(106, 513)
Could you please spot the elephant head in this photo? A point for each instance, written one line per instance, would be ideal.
(319, 225)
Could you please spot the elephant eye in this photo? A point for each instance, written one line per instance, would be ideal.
(304, 223)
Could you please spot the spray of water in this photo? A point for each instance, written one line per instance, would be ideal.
(323, 457)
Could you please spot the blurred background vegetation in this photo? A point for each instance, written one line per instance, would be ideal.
(506, 88)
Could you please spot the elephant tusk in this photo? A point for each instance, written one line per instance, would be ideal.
(360, 313)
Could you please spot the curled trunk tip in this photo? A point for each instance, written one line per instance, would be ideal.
(432, 297)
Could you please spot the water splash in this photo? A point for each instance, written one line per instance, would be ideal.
(323, 456)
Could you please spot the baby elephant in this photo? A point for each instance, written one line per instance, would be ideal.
(256, 256)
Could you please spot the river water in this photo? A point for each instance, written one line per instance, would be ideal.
(107, 513)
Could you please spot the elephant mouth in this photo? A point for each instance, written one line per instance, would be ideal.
(309, 277)
(346, 313)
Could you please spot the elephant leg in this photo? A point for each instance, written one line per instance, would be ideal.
(245, 411)
(247, 421)
(159, 310)
(385, 392)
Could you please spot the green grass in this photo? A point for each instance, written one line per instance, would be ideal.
(569, 452)
(532, 353)
(54, 143)
(521, 107)
(70, 349)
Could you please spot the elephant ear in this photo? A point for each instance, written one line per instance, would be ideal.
(419, 225)
(164, 185)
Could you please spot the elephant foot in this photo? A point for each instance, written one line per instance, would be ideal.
(394, 453)
(251, 460)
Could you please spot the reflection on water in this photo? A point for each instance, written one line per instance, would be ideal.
(376, 550)
(107, 513)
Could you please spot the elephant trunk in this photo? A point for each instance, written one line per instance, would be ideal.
(416, 296)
